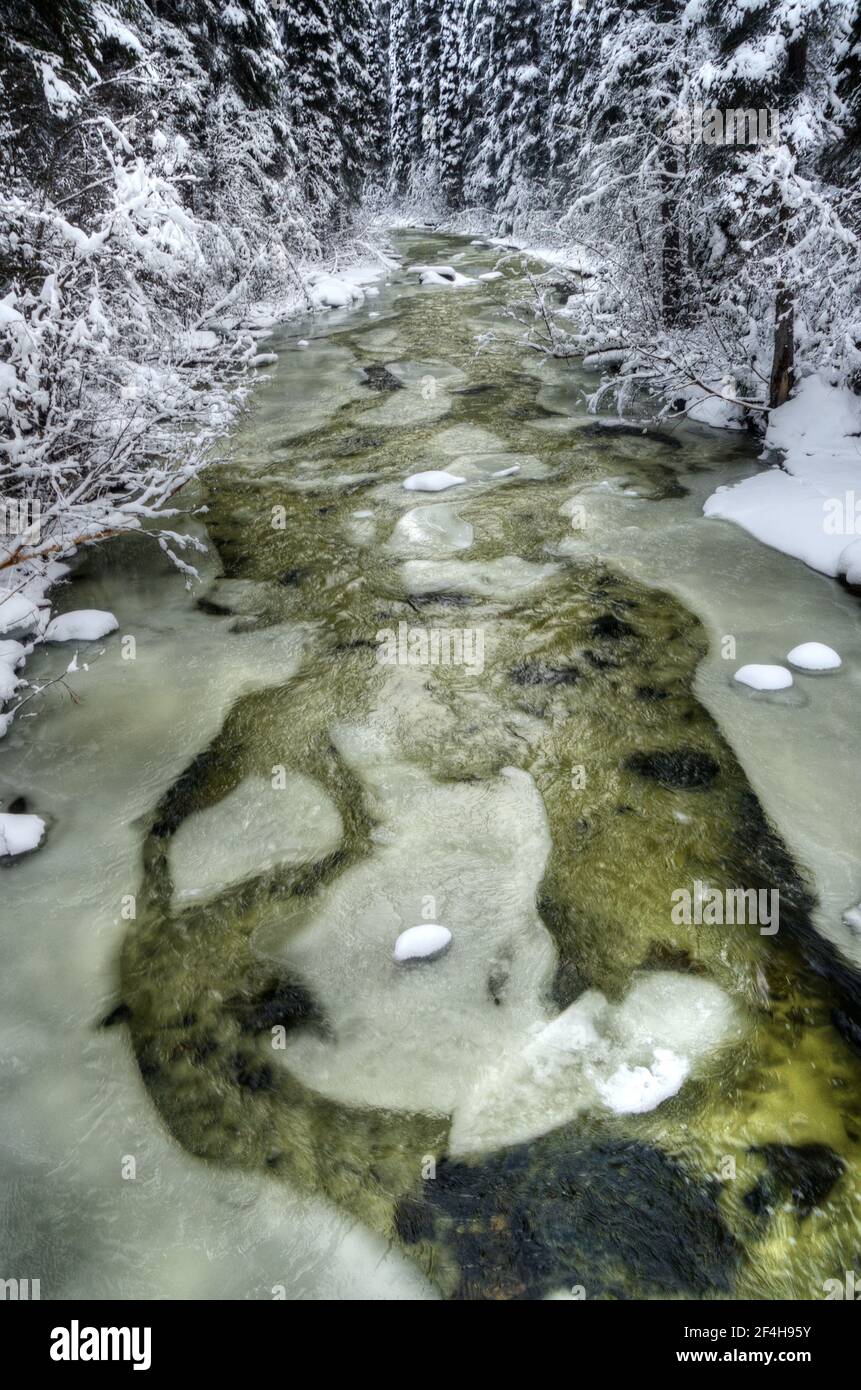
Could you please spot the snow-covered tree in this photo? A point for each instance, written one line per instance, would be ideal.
(313, 99)
(513, 153)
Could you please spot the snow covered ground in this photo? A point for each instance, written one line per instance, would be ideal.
(810, 505)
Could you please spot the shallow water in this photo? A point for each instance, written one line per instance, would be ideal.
(244, 817)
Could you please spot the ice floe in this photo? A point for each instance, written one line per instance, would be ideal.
(435, 528)
(263, 824)
(629, 1058)
(473, 854)
(504, 579)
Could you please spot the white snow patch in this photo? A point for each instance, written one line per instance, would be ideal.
(421, 942)
(13, 652)
(61, 98)
(814, 656)
(434, 480)
(764, 677)
(333, 291)
(811, 507)
(9, 682)
(17, 611)
(440, 275)
(19, 833)
(84, 625)
(635, 1090)
(716, 407)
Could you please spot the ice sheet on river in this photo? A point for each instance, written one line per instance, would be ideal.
(435, 529)
(470, 1034)
(504, 579)
(469, 854)
(254, 828)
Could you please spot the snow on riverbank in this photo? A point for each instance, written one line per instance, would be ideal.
(810, 507)
(31, 563)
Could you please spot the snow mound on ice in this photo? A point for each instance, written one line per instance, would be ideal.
(332, 292)
(814, 656)
(19, 833)
(9, 682)
(763, 677)
(629, 1058)
(17, 611)
(440, 275)
(636, 1090)
(13, 652)
(434, 480)
(422, 942)
(84, 625)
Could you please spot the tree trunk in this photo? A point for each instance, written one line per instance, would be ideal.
(671, 245)
(783, 359)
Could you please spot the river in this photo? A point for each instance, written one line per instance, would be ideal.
(217, 1082)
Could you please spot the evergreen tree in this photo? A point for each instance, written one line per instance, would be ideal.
(404, 108)
(451, 104)
(314, 102)
(363, 116)
(514, 152)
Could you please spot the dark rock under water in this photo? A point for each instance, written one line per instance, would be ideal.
(549, 1215)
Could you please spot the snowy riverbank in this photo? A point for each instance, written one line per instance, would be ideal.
(809, 505)
(34, 562)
